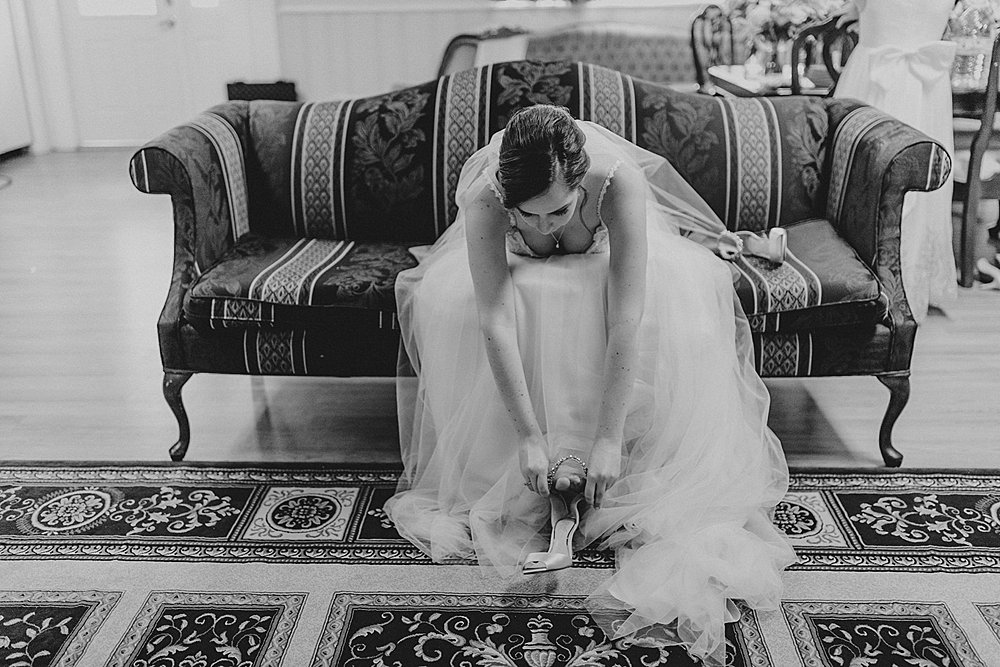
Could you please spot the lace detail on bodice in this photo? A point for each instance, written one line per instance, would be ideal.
(515, 240)
(604, 190)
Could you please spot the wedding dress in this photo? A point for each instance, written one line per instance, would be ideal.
(688, 519)
(902, 66)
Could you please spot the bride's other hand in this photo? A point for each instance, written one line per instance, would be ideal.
(533, 457)
(603, 469)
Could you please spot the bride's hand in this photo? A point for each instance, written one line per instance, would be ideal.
(533, 457)
(603, 469)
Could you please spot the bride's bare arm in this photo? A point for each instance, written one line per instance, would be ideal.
(486, 224)
(624, 214)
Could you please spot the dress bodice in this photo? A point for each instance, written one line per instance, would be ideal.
(907, 24)
(515, 239)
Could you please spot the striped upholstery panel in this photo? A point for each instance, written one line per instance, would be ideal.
(783, 355)
(230, 151)
(754, 175)
(292, 278)
(846, 139)
(317, 195)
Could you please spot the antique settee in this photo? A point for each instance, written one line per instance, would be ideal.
(293, 219)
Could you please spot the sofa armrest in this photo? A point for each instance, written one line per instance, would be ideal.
(201, 165)
(873, 161)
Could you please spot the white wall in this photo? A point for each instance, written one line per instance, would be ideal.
(15, 132)
(80, 93)
(349, 48)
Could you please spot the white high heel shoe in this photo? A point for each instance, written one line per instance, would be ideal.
(565, 520)
(772, 247)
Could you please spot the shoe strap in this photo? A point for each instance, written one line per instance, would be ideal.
(555, 466)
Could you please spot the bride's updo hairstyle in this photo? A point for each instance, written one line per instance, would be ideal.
(542, 143)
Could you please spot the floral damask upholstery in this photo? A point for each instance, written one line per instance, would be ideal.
(292, 219)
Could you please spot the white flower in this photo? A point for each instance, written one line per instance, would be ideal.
(759, 16)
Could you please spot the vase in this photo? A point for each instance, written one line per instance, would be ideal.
(769, 58)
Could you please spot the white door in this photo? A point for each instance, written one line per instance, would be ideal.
(139, 67)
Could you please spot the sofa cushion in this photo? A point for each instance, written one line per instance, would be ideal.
(282, 283)
(822, 283)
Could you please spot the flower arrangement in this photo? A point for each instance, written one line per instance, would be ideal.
(778, 20)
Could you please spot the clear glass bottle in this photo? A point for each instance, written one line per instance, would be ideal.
(972, 27)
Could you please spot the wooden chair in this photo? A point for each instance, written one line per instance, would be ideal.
(460, 53)
(979, 105)
(832, 43)
(714, 41)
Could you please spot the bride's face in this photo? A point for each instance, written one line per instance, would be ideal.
(550, 210)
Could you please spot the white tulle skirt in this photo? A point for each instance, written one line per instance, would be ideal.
(689, 517)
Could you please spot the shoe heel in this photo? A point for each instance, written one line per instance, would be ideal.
(777, 244)
(560, 553)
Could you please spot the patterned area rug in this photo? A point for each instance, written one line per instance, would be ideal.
(218, 566)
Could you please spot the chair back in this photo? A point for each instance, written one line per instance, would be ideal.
(645, 52)
(713, 42)
(832, 43)
(975, 103)
(461, 51)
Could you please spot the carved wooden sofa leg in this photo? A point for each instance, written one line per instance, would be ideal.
(899, 394)
(173, 382)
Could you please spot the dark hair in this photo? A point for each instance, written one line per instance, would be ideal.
(542, 143)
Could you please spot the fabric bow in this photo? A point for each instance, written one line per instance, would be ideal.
(924, 66)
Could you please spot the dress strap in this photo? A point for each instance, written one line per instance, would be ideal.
(496, 190)
(604, 189)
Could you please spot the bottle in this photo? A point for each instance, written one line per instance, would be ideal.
(972, 27)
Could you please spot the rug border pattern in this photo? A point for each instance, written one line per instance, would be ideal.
(854, 556)
(990, 611)
(331, 642)
(79, 639)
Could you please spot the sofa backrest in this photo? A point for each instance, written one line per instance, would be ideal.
(642, 51)
(386, 167)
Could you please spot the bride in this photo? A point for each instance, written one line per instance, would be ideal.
(578, 369)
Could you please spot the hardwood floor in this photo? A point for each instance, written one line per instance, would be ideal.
(84, 267)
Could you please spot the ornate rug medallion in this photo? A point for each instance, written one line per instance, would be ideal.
(904, 521)
(50, 628)
(499, 631)
(217, 629)
(878, 634)
(910, 521)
